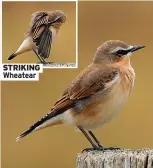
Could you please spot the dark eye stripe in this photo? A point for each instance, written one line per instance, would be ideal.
(121, 52)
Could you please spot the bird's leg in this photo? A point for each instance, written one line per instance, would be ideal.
(89, 139)
(40, 58)
(96, 140)
(44, 62)
(101, 147)
(95, 147)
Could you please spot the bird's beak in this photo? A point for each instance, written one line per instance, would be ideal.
(135, 48)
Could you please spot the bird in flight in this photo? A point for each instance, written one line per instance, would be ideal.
(43, 31)
(97, 94)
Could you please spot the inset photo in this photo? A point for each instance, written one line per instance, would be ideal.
(39, 32)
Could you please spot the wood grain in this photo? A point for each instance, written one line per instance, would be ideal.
(127, 158)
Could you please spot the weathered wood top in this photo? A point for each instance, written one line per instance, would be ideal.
(127, 158)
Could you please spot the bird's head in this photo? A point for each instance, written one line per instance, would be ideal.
(57, 18)
(114, 51)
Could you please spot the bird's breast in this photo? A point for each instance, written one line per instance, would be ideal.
(127, 78)
(109, 105)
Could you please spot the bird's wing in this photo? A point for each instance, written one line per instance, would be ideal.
(43, 43)
(93, 81)
(88, 83)
(41, 34)
(38, 22)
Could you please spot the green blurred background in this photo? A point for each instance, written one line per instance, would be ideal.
(16, 21)
(25, 102)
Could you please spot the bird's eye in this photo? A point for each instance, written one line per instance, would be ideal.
(121, 52)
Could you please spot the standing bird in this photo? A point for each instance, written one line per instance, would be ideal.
(44, 28)
(97, 94)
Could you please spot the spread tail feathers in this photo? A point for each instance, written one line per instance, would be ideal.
(51, 118)
(11, 56)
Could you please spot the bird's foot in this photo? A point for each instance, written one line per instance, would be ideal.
(112, 148)
(100, 148)
(47, 63)
(88, 149)
(44, 63)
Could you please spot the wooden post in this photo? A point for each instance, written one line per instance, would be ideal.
(56, 65)
(126, 158)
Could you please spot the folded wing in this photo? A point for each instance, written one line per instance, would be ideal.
(41, 34)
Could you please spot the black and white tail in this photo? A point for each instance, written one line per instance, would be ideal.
(37, 125)
(12, 56)
(47, 120)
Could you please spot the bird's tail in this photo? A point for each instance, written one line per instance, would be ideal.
(26, 45)
(12, 56)
(52, 118)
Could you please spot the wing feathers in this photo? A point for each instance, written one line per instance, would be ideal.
(41, 34)
(92, 83)
(44, 43)
(37, 26)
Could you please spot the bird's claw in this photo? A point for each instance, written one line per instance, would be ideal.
(100, 149)
(88, 149)
(112, 148)
(45, 63)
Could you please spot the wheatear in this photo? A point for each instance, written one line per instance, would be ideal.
(43, 31)
(97, 93)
